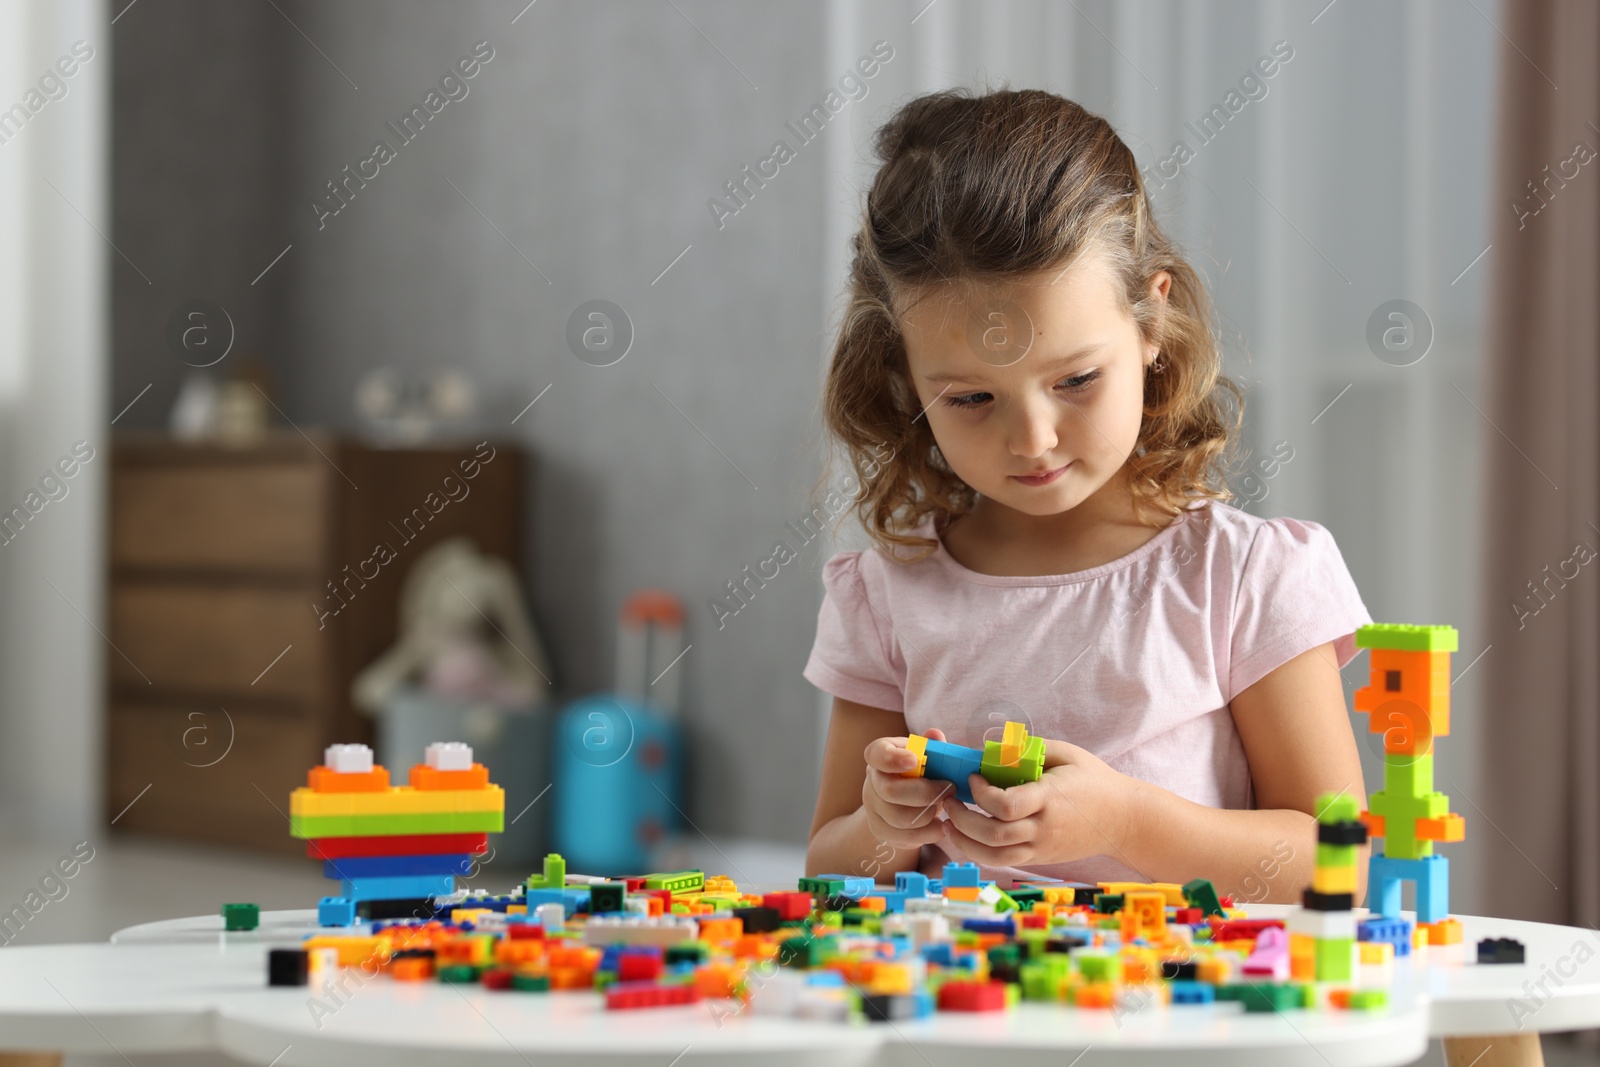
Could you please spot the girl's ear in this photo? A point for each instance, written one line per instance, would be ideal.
(1160, 285)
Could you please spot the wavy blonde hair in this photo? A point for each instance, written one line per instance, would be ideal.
(986, 190)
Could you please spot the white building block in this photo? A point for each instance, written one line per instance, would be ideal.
(347, 759)
(449, 756)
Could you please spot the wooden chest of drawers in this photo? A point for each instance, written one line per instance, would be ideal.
(243, 601)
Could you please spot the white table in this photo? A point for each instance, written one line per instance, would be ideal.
(184, 985)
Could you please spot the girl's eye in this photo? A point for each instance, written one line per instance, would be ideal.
(1074, 384)
(971, 400)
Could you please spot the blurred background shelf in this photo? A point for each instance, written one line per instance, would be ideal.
(226, 681)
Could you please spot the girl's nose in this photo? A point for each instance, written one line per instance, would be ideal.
(1033, 428)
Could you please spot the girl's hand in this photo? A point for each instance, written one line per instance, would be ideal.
(901, 812)
(1079, 807)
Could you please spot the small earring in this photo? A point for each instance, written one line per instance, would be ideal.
(1156, 366)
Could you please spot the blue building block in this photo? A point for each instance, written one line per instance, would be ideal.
(407, 887)
(953, 763)
(1431, 874)
(938, 952)
(936, 887)
(1396, 932)
(336, 911)
(535, 897)
(857, 886)
(989, 926)
(358, 867)
(1184, 992)
(911, 883)
(961, 874)
(893, 902)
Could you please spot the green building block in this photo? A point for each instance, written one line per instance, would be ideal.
(1368, 999)
(1027, 769)
(1263, 996)
(1407, 775)
(1201, 894)
(677, 882)
(1334, 957)
(1108, 903)
(1041, 978)
(1408, 638)
(1400, 814)
(1336, 808)
(821, 887)
(1336, 855)
(531, 983)
(458, 972)
(1027, 896)
(694, 952)
(554, 875)
(606, 897)
(445, 822)
(241, 916)
(1098, 966)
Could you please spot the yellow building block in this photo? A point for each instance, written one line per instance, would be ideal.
(1334, 880)
(1376, 953)
(1171, 892)
(917, 745)
(397, 800)
(1144, 914)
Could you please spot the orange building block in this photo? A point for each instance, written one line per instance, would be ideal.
(1443, 932)
(426, 777)
(1449, 827)
(322, 779)
(1408, 696)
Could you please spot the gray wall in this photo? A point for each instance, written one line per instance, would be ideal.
(201, 124)
(591, 142)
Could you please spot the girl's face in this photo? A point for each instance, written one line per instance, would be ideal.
(1034, 392)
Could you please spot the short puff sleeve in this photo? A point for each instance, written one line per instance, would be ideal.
(1294, 593)
(849, 658)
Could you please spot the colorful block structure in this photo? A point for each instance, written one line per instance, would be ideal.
(1323, 937)
(394, 844)
(1013, 760)
(1407, 700)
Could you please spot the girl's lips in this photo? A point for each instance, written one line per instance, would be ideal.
(1040, 479)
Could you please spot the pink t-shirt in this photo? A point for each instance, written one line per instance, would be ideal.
(1135, 660)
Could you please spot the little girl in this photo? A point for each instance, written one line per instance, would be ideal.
(1052, 544)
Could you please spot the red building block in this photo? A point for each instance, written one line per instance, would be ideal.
(338, 848)
(790, 906)
(1240, 929)
(624, 995)
(972, 996)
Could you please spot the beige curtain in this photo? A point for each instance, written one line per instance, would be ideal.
(1540, 814)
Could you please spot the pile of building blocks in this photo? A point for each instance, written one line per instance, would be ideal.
(1407, 699)
(840, 946)
(394, 848)
(1014, 759)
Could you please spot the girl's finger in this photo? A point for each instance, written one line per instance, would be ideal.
(986, 854)
(890, 755)
(1011, 803)
(980, 827)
